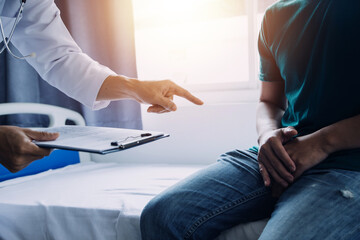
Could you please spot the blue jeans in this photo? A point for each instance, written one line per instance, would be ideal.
(322, 204)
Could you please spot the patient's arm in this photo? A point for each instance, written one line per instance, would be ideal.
(277, 155)
(307, 151)
(17, 149)
(274, 162)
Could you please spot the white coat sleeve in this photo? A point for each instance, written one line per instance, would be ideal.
(59, 60)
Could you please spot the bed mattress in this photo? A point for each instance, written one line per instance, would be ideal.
(90, 201)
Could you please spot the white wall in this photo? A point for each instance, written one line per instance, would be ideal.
(198, 135)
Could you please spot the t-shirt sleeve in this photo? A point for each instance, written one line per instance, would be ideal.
(269, 71)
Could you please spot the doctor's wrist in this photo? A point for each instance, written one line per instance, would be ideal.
(116, 88)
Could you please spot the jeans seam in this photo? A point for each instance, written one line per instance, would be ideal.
(220, 210)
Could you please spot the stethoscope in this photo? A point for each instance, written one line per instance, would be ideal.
(7, 40)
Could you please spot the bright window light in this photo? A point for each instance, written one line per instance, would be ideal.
(201, 44)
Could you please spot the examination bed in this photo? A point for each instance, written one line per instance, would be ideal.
(88, 200)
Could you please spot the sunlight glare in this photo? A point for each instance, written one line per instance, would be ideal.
(192, 41)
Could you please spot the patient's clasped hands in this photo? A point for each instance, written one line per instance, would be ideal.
(283, 158)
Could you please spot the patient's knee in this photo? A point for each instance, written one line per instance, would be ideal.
(155, 218)
(148, 220)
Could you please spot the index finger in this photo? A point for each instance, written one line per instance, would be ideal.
(281, 153)
(181, 92)
(265, 175)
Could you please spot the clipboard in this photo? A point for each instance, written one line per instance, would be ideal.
(100, 140)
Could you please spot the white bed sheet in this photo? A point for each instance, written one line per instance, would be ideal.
(90, 201)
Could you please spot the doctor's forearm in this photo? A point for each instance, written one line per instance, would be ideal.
(159, 94)
(116, 88)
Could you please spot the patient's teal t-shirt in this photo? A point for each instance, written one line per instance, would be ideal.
(314, 46)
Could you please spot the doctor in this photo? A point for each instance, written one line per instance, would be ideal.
(37, 31)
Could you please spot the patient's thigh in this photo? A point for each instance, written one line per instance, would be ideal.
(219, 197)
(323, 204)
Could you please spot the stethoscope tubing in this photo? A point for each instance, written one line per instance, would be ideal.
(7, 40)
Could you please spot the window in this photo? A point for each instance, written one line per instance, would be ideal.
(204, 45)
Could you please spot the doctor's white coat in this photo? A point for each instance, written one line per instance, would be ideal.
(59, 60)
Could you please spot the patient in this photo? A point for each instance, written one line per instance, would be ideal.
(305, 174)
